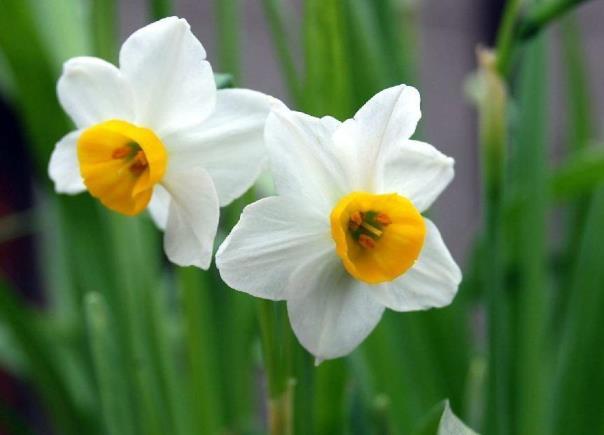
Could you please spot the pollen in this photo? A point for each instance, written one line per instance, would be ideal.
(377, 237)
(120, 164)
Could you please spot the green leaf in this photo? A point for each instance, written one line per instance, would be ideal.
(580, 174)
(109, 367)
(41, 359)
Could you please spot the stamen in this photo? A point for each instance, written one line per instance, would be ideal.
(140, 163)
(366, 242)
(383, 219)
(373, 230)
(357, 217)
(121, 152)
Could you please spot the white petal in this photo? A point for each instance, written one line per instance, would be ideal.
(92, 90)
(173, 84)
(450, 424)
(275, 238)
(192, 217)
(159, 207)
(432, 282)
(336, 315)
(64, 168)
(303, 159)
(418, 171)
(388, 118)
(229, 144)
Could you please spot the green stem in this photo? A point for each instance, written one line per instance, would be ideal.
(160, 8)
(274, 15)
(200, 328)
(228, 25)
(506, 36)
(492, 110)
(280, 388)
(543, 14)
(104, 24)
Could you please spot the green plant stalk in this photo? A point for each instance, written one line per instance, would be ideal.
(135, 261)
(579, 175)
(109, 368)
(544, 13)
(328, 86)
(578, 403)
(104, 24)
(229, 26)
(280, 389)
(506, 36)
(578, 380)
(330, 397)
(273, 11)
(41, 361)
(236, 317)
(493, 139)
(200, 330)
(160, 8)
(388, 363)
(530, 299)
(169, 341)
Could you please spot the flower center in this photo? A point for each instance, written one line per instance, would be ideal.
(378, 237)
(120, 164)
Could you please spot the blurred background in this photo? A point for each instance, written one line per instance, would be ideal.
(43, 239)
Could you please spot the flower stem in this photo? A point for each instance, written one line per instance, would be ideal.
(160, 8)
(228, 26)
(274, 15)
(493, 137)
(542, 14)
(280, 388)
(104, 23)
(506, 35)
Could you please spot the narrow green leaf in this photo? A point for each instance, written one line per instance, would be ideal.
(228, 26)
(529, 179)
(579, 175)
(109, 368)
(160, 8)
(104, 20)
(273, 10)
(40, 358)
(200, 331)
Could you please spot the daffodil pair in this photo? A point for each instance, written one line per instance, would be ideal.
(343, 239)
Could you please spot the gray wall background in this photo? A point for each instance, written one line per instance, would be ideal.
(450, 30)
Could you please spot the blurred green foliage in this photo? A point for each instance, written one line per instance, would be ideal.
(127, 344)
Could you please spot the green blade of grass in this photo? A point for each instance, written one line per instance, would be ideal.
(274, 13)
(201, 333)
(578, 403)
(40, 357)
(160, 8)
(228, 27)
(104, 21)
(109, 367)
(580, 174)
(529, 177)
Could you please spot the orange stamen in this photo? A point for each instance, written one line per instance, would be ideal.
(366, 242)
(121, 152)
(140, 163)
(383, 219)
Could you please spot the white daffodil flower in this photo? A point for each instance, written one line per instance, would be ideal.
(156, 134)
(345, 238)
